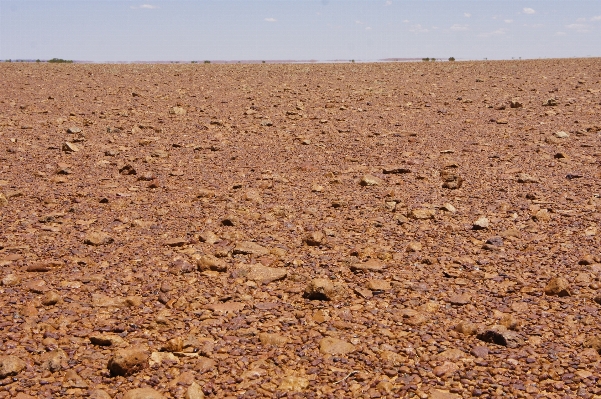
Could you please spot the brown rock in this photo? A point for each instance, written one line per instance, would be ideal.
(98, 238)
(126, 362)
(442, 394)
(369, 180)
(98, 394)
(321, 289)
(467, 328)
(314, 239)
(194, 391)
(378, 285)
(73, 380)
(445, 369)
(210, 262)
(272, 339)
(107, 339)
(176, 242)
(371, 265)
(558, 286)
(335, 346)
(293, 384)
(479, 351)
(53, 361)
(422, 214)
(10, 366)
(143, 393)
(499, 335)
(263, 274)
(250, 248)
(51, 298)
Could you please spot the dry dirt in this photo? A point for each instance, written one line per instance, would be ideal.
(388, 230)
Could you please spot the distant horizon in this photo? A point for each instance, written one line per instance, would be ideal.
(383, 60)
(364, 30)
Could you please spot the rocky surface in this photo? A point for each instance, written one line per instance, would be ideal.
(424, 230)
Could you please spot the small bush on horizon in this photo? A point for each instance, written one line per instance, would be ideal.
(425, 59)
(451, 58)
(207, 62)
(60, 61)
(193, 62)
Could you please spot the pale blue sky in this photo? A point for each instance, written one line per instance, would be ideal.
(153, 30)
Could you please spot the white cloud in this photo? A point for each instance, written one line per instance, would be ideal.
(508, 21)
(459, 28)
(388, 3)
(560, 34)
(528, 11)
(498, 32)
(578, 27)
(270, 19)
(359, 22)
(368, 28)
(144, 7)
(467, 14)
(581, 20)
(405, 21)
(418, 29)
(596, 18)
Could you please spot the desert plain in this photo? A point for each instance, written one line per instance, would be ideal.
(377, 230)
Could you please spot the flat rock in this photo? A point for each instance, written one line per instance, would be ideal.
(371, 265)
(98, 238)
(335, 346)
(143, 393)
(250, 248)
(558, 286)
(263, 274)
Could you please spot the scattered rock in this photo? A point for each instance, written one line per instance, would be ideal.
(210, 262)
(422, 214)
(70, 147)
(272, 339)
(526, 178)
(98, 238)
(263, 274)
(10, 366)
(314, 239)
(369, 180)
(558, 286)
(371, 265)
(143, 393)
(500, 335)
(321, 289)
(250, 248)
(126, 362)
(194, 391)
(479, 351)
(335, 346)
(293, 384)
(481, 224)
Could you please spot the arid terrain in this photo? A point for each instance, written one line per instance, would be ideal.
(426, 230)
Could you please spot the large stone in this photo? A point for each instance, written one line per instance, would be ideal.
(372, 265)
(558, 286)
(273, 339)
(210, 262)
(335, 346)
(369, 180)
(321, 289)
(10, 366)
(293, 384)
(98, 238)
(194, 392)
(422, 213)
(126, 362)
(263, 274)
(250, 248)
(143, 393)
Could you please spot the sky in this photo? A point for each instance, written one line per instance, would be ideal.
(323, 30)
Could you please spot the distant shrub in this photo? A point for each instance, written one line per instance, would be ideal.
(193, 62)
(425, 59)
(451, 58)
(60, 61)
(207, 62)
(263, 62)
(8, 60)
(353, 61)
(38, 60)
(432, 59)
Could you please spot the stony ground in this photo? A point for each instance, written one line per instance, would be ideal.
(390, 230)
